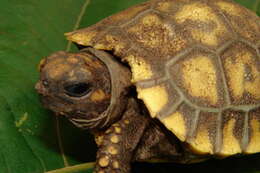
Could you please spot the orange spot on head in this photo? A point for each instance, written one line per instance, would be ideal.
(98, 95)
(58, 71)
(73, 60)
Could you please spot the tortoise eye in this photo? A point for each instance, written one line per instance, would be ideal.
(77, 89)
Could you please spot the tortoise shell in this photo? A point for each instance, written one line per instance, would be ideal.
(196, 66)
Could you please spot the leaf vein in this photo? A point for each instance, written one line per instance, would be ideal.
(68, 47)
(6, 165)
(79, 19)
(65, 161)
(257, 3)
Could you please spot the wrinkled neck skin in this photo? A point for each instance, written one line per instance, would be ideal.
(120, 78)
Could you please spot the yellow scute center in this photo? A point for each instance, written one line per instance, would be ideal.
(81, 37)
(200, 78)
(98, 95)
(254, 145)
(199, 12)
(230, 143)
(155, 98)
(243, 75)
(110, 42)
(140, 69)
(201, 143)
(176, 124)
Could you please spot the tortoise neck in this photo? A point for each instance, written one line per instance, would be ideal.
(120, 78)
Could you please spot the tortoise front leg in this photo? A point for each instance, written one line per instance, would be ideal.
(117, 144)
(112, 156)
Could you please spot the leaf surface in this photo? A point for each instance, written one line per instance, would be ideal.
(32, 140)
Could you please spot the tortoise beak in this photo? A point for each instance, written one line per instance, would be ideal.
(40, 88)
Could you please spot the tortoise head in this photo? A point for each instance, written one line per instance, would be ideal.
(78, 86)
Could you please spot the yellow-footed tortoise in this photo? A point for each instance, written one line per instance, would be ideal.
(177, 80)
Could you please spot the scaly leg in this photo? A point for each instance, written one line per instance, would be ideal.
(117, 143)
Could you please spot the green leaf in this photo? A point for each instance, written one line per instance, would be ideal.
(253, 5)
(32, 140)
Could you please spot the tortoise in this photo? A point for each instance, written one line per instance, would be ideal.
(168, 80)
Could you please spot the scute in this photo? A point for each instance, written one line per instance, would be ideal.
(140, 68)
(254, 132)
(180, 121)
(244, 22)
(233, 132)
(156, 101)
(196, 66)
(203, 23)
(153, 32)
(198, 76)
(242, 70)
(203, 139)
